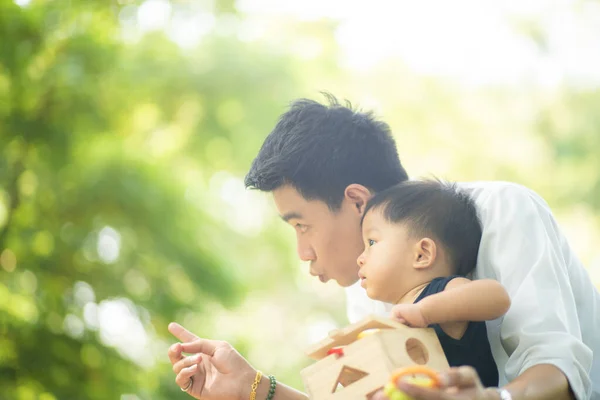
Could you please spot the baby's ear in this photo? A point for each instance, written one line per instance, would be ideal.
(425, 253)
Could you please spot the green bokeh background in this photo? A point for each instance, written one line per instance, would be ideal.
(122, 152)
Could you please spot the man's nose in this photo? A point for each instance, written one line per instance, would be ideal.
(305, 251)
(306, 254)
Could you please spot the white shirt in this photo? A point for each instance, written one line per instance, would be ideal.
(554, 317)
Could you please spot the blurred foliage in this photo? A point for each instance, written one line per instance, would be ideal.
(121, 201)
(107, 150)
(571, 127)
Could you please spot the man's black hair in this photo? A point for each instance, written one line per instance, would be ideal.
(438, 210)
(321, 149)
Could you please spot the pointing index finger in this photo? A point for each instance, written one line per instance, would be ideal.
(181, 333)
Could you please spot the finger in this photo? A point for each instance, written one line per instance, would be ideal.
(186, 362)
(204, 346)
(183, 378)
(181, 333)
(175, 353)
(397, 315)
(461, 377)
(422, 393)
(395, 312)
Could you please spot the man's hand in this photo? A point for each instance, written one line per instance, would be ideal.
(409, 314)
(460, 383)
(217, 370)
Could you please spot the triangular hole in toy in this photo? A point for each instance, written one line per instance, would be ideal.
(371, 394)
(347, 376)
(337, 388)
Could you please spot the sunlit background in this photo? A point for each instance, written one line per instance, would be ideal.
(126, 128)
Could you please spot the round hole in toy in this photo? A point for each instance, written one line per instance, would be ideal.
(417, 351)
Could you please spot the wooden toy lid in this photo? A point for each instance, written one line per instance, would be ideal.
(349, 334)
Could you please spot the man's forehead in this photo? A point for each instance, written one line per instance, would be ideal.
(289, 202)
(287, 194)
(292, 205)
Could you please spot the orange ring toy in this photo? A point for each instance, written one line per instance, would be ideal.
(393, 393)
(414, 370)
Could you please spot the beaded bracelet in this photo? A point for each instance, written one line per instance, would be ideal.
(272, 387)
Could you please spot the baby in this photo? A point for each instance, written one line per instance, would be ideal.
(421, 242)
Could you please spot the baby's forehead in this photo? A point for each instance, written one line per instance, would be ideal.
(375, 218)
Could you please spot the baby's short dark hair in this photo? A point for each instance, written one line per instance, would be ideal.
(436, 209)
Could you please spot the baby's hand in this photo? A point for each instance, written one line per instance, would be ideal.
(409, 314)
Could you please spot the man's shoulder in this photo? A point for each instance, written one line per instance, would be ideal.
(493, 187)
(492, 193)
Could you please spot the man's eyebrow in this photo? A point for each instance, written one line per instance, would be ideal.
(291, 215)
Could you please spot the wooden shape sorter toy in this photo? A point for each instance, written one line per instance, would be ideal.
(356, 361)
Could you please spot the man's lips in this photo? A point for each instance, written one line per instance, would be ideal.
(321, 277)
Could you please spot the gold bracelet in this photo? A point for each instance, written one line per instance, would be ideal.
(255, 385)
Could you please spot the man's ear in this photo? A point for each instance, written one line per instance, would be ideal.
(358, 196)
(425, 253)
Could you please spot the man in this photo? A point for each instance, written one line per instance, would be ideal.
(322, 164)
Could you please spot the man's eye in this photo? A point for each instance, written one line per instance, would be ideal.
(301, 227)
(371, 242)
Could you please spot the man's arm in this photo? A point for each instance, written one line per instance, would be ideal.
(540, 382)
(523, 248)
(282, 392)
(215, 370)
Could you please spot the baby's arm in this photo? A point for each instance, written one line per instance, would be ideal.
(466, 300)
(463, 301)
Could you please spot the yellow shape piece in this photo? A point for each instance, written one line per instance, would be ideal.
(367, 332)
(392, 392)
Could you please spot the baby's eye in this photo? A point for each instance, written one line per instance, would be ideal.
(371, 242)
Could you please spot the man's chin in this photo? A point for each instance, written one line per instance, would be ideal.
(347, 282)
